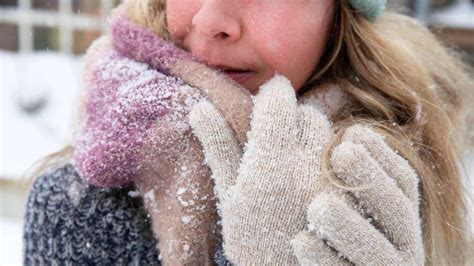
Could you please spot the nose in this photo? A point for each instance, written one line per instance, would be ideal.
(215, 21)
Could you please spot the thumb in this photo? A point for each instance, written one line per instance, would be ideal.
(221, 148)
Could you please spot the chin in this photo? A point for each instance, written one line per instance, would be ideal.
(252, 89)
(253, 86)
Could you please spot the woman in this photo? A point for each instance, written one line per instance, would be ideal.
(368, 73)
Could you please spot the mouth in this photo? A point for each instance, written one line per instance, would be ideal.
(239, 75)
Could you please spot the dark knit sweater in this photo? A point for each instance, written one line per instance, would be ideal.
(70, 223)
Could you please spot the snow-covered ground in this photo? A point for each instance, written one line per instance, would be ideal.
(11, 231)
(48, 83)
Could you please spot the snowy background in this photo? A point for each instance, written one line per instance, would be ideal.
(38, 99)
(38, 103)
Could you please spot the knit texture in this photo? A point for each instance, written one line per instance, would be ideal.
(142, 45)
(68, 222)
(276, 208)
(370, 9)
(375, 223)
(390, 197)
(263, 192)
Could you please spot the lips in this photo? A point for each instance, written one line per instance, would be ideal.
(239, 75)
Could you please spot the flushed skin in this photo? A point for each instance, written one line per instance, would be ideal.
(259, 37)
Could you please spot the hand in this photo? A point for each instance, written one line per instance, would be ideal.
(135, 130)
(263, 194)
(377, 224)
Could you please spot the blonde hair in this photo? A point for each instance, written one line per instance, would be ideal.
(409, 87)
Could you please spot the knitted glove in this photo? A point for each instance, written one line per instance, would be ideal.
(264, 193)
(378, 224)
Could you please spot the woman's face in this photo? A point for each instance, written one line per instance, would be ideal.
(251, 40)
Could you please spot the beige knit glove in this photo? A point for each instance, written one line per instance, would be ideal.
(264, 193)
(378, 224)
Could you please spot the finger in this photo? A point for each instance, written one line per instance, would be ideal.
(379, 194)
(221, 148)
(314, 129)
(233, 101)
(351, 236)
(393, 164)
(309, 249)
(274, 114)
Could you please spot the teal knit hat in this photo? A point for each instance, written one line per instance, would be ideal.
(370, 9)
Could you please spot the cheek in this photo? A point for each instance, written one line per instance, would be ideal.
(179, 15)
(271, 36)
(290, 44)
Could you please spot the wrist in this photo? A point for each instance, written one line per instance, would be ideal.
(184, 223)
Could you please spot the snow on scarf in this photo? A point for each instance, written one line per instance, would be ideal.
(135, 85)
